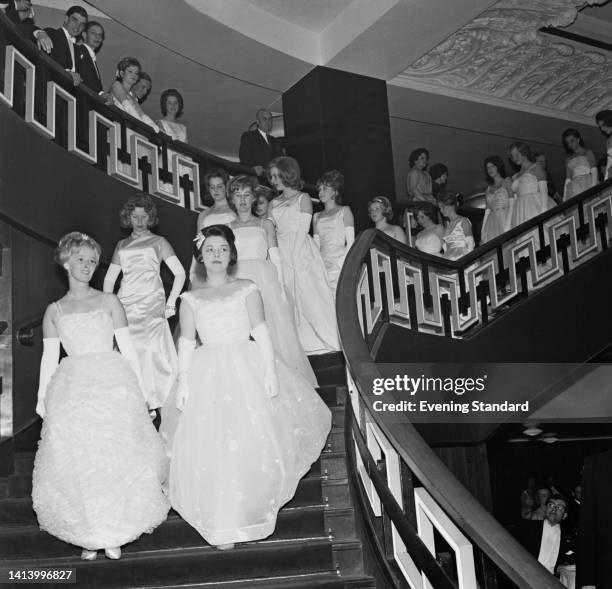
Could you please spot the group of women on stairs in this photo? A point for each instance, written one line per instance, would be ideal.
(241, 421)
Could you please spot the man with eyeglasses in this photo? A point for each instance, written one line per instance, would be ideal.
(545, 539)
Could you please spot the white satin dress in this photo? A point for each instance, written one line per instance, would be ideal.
(143, 298)
(333, 244)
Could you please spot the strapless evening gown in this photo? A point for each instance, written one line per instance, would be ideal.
(98, 472)
(333, 244)
(498, 203)
(581, 178)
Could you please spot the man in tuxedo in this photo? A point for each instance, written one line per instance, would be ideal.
(64, 38)
(85, 55)
(594, 561)
(21, 13)
(545, 539)
(257, 147)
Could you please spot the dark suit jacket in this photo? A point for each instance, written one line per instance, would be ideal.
(87, 69)
(254, 151)
(26, 27)
(594, 559)
(529, 534)
(61, 49)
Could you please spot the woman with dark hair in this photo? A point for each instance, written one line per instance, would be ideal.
(250, 427)
(127, 74)
(171, 106)
(139, 258)
(380, 213)
(333, 228)
(580, 166)
(429, 239)
(604, 121)
(499, 199)
(259, 261)
(418, 181)
(528, 185)
(304, 272)
(458, 239)
(98, 472)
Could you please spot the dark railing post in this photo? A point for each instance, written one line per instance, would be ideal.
(145, 169)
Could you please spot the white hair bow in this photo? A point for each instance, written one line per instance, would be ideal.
(199, 240)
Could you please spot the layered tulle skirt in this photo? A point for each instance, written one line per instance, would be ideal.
(238, 455)
(98, 472)
(578, 184)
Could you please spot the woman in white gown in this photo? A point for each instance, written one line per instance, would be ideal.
(580, 165)
(429, 239)
(499, 199)
(604, 121)
(333, 228)
(98, 472)
(219, 214)
(259, 261)
(171, 106)
(380, 213)
(457, 238)
(139, 258)
(528, 185)
(250, 427)
(304, 272)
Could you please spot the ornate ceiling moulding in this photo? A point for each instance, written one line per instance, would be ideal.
(501, 58)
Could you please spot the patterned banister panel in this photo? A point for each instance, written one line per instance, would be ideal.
(453, 298)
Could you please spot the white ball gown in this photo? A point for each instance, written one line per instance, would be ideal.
(498, 203)
(529, 202)
(305, 280)
(98, 472)
(253, 264)
(333, 244)
(238, 455)
(142, 295)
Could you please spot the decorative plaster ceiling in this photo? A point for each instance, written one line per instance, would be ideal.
(501, 58)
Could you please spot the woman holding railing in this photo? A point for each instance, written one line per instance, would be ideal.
(580, 165)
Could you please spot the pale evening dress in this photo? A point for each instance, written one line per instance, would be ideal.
(253, 263)
(529, 202)
(429, 241)
(238, 454)
(333, 244)
(581, 180)
(178, 132)
(454, 240)
(305, 279)
(142, 295)
(498, 203)
(98, 472)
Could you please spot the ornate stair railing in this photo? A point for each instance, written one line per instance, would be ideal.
(447, 305)
(42, 93)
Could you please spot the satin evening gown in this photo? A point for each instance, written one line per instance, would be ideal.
(305, 279)
(333, 244)
(454, 240)
(238, 454)
(98, 472)
(528, 202)
(429, 241)
(253, 263)
(143, 298)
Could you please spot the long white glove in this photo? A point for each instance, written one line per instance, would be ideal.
(111, 277)
(594, 177)
(349, 236)
(185, 351)
(565, 187)
(317, 240)
(543, 190)
(179, 280)
(261, 335)
(48, 364)
(126, 347)
(471, 244)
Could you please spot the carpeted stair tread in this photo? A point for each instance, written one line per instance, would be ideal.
(329, 580)
(198, 564)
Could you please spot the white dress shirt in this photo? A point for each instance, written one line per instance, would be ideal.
(549, 546)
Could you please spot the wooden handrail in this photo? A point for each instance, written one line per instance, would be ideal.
(458, 503)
